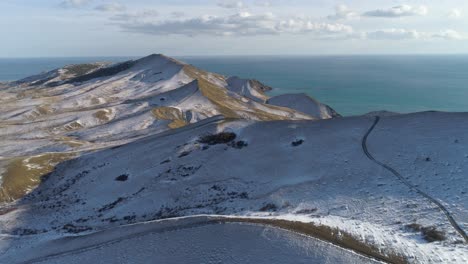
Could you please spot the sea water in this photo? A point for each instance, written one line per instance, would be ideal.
(352, 85)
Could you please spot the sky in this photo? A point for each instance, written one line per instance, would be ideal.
(76, 28)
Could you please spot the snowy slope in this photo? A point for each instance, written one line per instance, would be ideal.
(191, 240)
(81, 108)
(304, 104)
(122, 156)
(313, 172)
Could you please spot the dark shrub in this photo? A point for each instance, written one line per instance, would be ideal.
(297, 142)
(238, 144)
(103, 72)
(122, 177)
(184, 154)
(244, 195)
(81, 69)
(220, 138)
(414, 227)
(431, 234)
(70, 228)
(269, 207)
(307, 211)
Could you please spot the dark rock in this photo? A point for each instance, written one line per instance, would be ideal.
(183, 154)
(269, 207)
(220, 138)
(297, 142)
(122, 178)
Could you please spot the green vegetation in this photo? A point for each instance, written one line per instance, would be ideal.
(172, 114)
(25, 173)
(73, 126)
(231, 107)
(102, 115)
(81, 69)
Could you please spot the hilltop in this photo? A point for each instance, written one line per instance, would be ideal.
(58, 115)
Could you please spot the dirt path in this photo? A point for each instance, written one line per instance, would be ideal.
(408, 184)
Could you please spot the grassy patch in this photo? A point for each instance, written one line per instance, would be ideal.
(329, 234)
(70, 141)
(102, 115)
(231, 107)
(24, 174)
(73, 126)
(44, 109)
(172, 114)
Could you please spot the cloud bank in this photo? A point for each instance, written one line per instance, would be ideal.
(231, 4)
(74, 3)
(111, 7)
(244, 23)
(240, 24)
(398, 11)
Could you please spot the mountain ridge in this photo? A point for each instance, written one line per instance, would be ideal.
(85, 107)
(162, 145)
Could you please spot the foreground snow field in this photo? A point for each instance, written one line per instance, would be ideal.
(391, 188)
(192, 240)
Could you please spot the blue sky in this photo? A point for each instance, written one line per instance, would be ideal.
(31, 28)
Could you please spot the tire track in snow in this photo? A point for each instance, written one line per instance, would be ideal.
(408, 184)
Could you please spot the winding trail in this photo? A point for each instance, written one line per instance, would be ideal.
(409, 185)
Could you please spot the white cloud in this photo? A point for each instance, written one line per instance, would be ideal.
(455, 13)
(404, 34)
(240, 24)
(178, 14)
(74, 3)
(111, 7)
(398, 11)
(449, 35)
(143, 16)
(342, 12)
(263, 3)
(231, 4)
(393, 34)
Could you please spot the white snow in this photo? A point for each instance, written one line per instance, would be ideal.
(303, 103)
(307, 171)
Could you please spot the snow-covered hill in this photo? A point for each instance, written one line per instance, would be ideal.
(58, 115)
(210, 188)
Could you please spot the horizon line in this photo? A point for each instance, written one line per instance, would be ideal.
(244, 55)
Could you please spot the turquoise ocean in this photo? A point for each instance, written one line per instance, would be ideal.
(352, 85)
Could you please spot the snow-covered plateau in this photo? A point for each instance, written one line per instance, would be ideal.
(156, 161)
